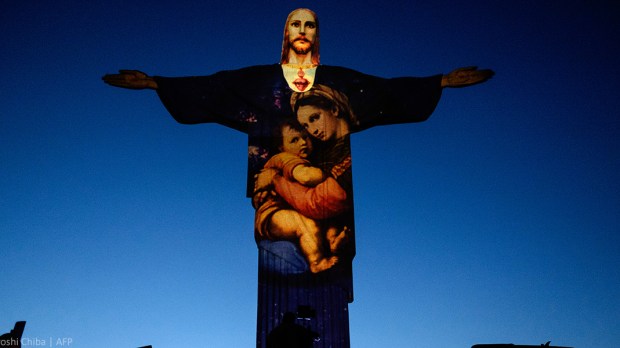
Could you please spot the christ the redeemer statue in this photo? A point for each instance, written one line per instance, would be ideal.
(299, 115)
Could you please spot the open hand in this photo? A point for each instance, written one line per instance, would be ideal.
(132, 79)
(463, 77)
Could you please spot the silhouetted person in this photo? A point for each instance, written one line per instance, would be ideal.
(13, 338)
(291, 335)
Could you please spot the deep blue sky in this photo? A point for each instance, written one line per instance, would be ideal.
(497, 220)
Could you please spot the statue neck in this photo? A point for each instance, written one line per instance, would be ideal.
(299, 77)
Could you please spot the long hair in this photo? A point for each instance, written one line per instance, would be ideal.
(286, 44)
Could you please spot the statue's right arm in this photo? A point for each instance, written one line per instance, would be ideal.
(131, 79)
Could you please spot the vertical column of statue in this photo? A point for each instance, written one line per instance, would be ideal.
(298, 116)
(304, 221)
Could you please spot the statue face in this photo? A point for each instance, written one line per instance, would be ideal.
(296, 142)
(320, 123)
(301, 31)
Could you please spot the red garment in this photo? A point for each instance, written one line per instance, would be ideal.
(323, 201)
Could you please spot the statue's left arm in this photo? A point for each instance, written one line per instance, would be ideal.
(379, 101)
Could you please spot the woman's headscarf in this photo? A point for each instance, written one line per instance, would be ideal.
(337, 98)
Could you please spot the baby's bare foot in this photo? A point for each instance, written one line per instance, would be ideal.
(323, 264)
(339, 240)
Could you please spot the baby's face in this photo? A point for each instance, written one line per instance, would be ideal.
(296, 142)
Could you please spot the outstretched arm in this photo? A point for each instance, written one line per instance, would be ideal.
(131, 79)
(468, 76)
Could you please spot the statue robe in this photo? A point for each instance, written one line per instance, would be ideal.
(254, 100)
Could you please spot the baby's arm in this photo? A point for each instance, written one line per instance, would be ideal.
(325, 200)
(307, 175)
(297, 169)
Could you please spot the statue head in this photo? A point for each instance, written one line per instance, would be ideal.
(301, 38)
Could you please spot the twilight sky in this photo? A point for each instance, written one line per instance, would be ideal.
(495, 221)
